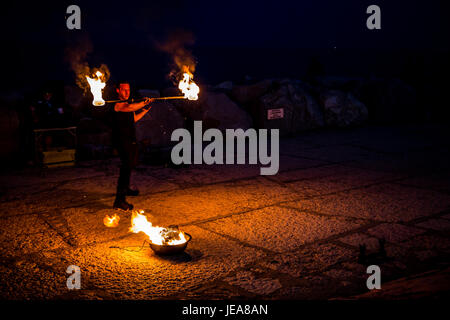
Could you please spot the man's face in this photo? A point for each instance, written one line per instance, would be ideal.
(47, 96)
(123, 91)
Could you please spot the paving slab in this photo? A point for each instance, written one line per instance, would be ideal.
(394, 232)
(439, 181)
(414, 163)
(195, 175)
(249, 282)
(34, 176)
(326, 138)
(212, 201)
(27, 234)
(62, 196)
(430, 284)
(427, 241)
(27, 280)
(310, 260)
(357, 239)
(435, 224)
(381, 202)
(295, 235)
(280, 229)
(339, 153)
(331, 179)
(312, 288)
(86, 225)
(120, 264)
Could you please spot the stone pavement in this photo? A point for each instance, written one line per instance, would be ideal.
(295, 235)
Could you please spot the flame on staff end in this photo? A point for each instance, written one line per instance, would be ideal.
(139, 223)
(111, 222)
(97, 84)
(187, 86)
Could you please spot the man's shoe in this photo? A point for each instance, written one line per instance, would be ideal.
(123, 205)
(132, 192)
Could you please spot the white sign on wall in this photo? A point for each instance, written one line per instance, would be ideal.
(275, 113)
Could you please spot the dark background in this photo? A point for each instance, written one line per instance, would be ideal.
(404, 67)
(232, 39)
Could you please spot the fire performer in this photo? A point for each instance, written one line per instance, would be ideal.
(124, 138)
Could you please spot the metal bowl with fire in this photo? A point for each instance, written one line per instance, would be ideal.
(163, 241)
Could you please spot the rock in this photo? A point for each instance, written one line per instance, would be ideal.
(221, 112)
(226, 86)
(149, 93)
(300, 109)
(73, 97)
(170, 92)
(339, 83)
(245, 94)
(155, 128)
(342, 109)
(215, 109)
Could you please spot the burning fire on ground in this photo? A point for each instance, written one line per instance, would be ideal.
(111, 222)
(157, 235)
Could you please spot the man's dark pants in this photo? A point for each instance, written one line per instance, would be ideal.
(128, 154)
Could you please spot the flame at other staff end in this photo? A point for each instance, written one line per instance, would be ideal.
(188, 86)
(97, 84)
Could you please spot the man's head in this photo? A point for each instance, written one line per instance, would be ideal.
(47, 95)
(123, 90)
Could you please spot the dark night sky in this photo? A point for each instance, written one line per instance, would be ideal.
(230, 35)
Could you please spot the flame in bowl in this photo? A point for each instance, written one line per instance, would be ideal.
(157, 235)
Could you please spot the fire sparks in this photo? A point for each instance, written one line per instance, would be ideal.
(187, 86)
(97, 84)
(157, 235)
(111, 222)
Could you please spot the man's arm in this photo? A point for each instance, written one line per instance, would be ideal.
(131, 107)
(140, 115)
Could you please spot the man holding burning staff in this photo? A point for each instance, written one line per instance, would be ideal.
(124, 138)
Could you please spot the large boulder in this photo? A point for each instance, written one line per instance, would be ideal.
(246, 94)
(73, 97)
(156, 127)
(221, 112)
(342, 109)
(343, 83)
(300, 110)
(225, 86)
(215, 109)
(149, 93)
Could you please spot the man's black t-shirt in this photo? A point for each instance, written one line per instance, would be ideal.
(124, 131)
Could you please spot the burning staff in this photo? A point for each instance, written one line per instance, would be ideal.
(139, 100)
